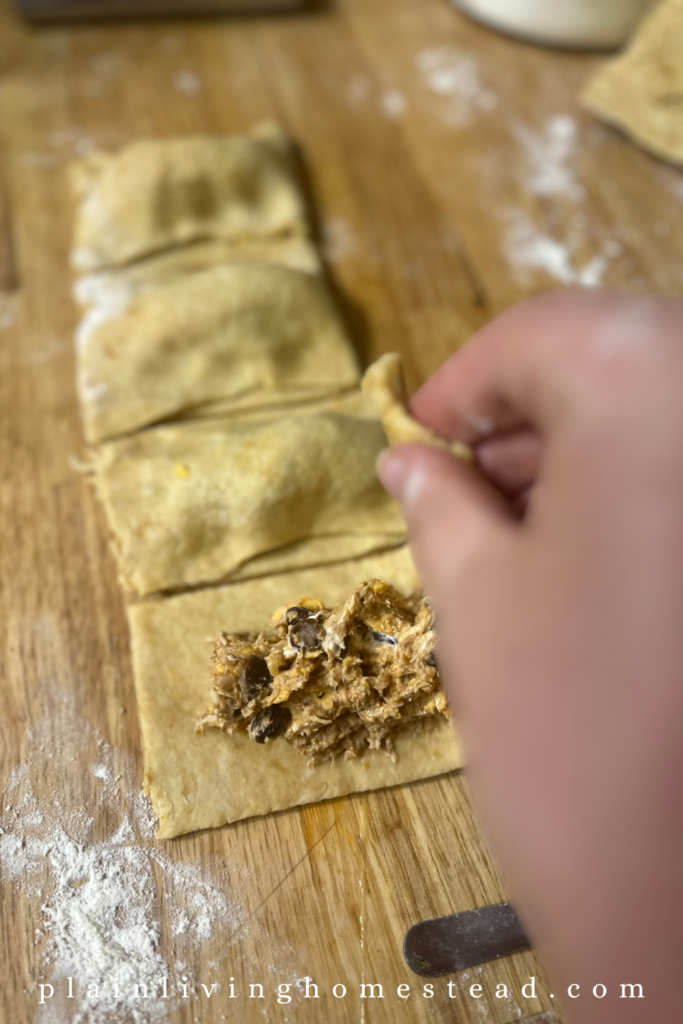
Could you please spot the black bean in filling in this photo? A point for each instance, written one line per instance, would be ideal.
(270, 723)
(255, 678)
(305, 631)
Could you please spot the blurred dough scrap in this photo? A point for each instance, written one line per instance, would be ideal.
(159, 193)
(333, 682)
(384, 385)
(249, 335)
(203, 781)
(642, 91)
(193, 502)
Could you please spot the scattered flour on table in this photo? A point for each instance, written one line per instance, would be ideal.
(50, 349)
(390, 102)
(171, 44)
(549, 155)
(672, 179)
(8, 318)
(107, 63)
(527, 247)
(393, 104)
(559, 238)
(100, 897)
(338, 240)
(359, 89)
(454, 75)
(187, 82)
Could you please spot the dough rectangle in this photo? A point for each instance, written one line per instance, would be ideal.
(203, 781)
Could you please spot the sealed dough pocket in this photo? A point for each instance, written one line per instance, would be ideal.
(195, 502)
(159, 193)
(245, 335)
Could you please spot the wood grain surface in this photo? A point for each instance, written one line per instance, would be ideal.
(430, 205)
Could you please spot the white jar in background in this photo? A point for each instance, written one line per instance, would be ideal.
(576, 23)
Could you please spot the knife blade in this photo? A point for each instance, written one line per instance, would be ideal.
(444, 945)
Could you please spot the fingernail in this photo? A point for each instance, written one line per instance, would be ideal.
(401, 477)
(392, 471)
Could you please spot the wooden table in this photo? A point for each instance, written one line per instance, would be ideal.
(443, 186)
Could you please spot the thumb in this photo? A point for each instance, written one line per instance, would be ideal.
(450, 509)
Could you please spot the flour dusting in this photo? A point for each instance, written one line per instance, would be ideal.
(455, 75)
(187, 82)
(104, 297)
(555, 235)
(171, 44)
(393, 104)
(549, 155)
(100, 898)
(529, 248)
(107, 63)
(8, 318)
(338, 240)
(359, 89)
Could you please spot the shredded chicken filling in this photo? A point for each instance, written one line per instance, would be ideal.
(333, 682)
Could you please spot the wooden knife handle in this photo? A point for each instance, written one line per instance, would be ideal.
(445, 945)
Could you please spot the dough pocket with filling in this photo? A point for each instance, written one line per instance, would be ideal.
(246, 335)
(105, 294)
(158, 193)
(192, 502)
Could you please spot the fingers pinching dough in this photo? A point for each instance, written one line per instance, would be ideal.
(193, 502)
(245, 335)
(159, 193)
(384, 385)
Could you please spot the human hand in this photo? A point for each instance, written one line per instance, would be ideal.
(556, 574)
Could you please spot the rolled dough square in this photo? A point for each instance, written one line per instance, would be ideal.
(158, 193)
(642, 90)
(249, 335)
(205, 780)
(193, 502)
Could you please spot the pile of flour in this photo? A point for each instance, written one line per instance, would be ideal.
(100, 898)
